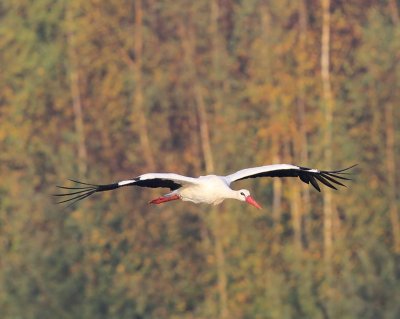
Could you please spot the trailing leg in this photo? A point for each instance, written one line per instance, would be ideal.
(164, 199)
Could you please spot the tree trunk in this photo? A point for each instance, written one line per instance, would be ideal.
(296, 216)
(328, 114)
(188, 46)
(391, 174)
(138, 117)
(304, 159)
(300, 194)
(390, 153)
(328, 110)
(217, 212)
(204, 130)
(394, 11)
(75, 93)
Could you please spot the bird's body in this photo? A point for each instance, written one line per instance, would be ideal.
(210, 189)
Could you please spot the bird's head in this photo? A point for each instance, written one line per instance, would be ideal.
(244, 196)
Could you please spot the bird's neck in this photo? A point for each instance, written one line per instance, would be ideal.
(233, 194)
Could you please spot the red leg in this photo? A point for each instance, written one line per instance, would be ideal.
(164, 199)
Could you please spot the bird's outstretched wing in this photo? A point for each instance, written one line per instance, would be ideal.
(152, 180)
(307, 175)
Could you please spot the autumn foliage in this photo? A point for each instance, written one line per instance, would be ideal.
(107, 90)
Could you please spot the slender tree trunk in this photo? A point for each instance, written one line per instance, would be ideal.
(295, 204)
(195, 141)
(275, 139)
(215, 40)
(138, 117)
(390, 152)
(391, 174)
(204, 130)
(304, 158)
(188, 46)
(328, 109)
(76, 94)
(295, 208)
(217, 75)
(328, 112)
(394, 11)
(301, 111)
(217, 212)
(303, 20)
(221, 268)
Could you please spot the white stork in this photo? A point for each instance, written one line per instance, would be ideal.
(210, 189)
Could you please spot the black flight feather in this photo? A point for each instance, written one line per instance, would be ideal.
(308, 176)
(80, 192)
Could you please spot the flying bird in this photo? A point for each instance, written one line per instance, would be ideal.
(210, 189)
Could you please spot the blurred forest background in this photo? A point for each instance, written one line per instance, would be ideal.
(107, 90)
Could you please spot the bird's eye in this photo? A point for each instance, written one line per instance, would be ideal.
(241, 193)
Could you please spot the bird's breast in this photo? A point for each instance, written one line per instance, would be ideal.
(211, 189)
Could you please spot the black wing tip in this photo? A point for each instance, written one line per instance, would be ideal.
(328, 178)
(76, 193)
(82, 183)
(343, 170)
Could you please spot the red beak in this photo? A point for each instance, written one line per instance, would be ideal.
(252, 202)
